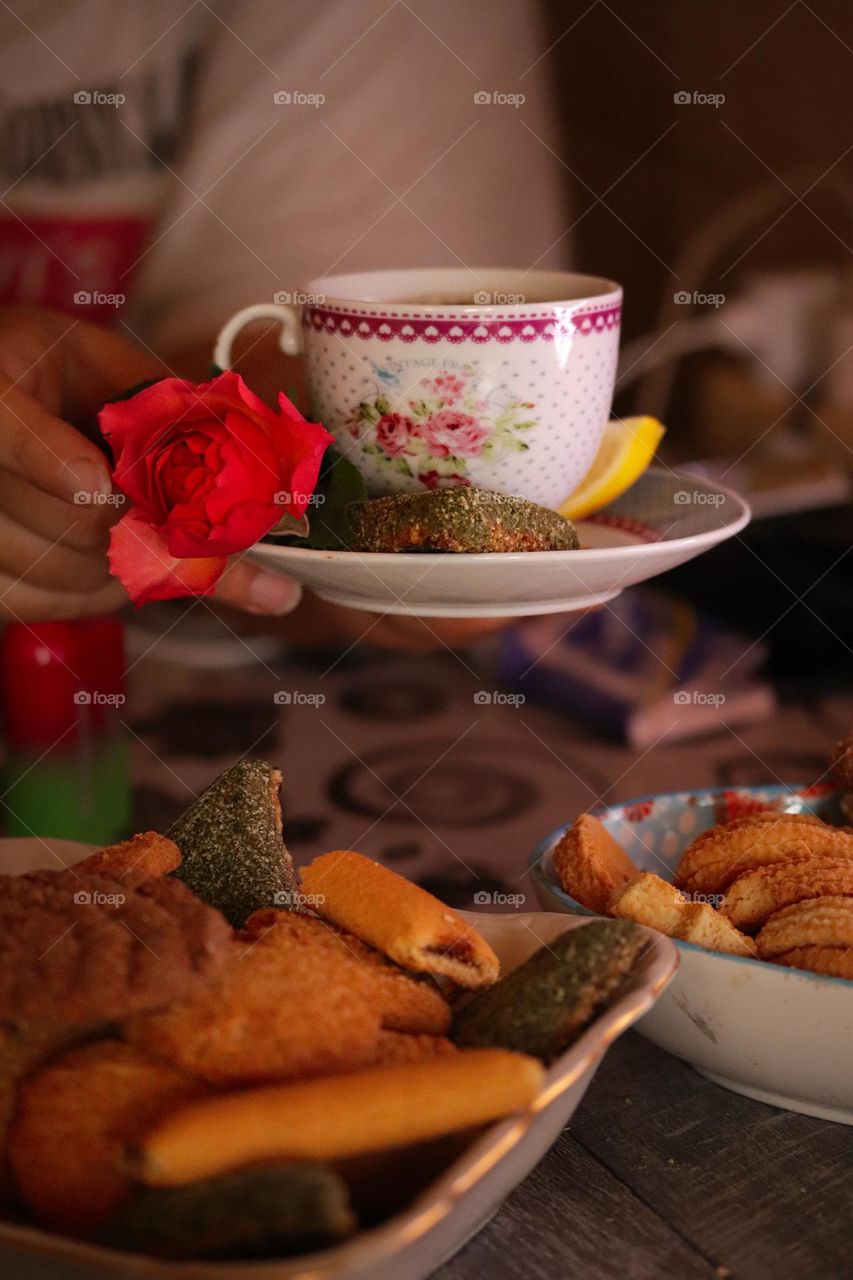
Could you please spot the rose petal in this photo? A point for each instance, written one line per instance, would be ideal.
(139, 557)
(307, 442)
(244, 525)
(167, 410)
(206, 464)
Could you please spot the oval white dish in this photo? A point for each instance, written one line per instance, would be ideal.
(415, 1243)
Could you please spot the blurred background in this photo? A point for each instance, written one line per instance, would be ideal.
(712, 172)
(697, 153)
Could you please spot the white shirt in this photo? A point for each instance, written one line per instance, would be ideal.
(383, 156)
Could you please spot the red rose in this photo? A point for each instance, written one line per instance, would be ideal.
(209, 469)
(393, 433)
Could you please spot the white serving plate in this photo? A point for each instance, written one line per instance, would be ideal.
(662, 521)
(415, 1243)
(778, 1035)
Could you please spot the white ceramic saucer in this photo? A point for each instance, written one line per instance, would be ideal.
(662, 521)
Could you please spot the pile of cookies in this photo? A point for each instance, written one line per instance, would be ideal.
(775, 886)
(203, 1055)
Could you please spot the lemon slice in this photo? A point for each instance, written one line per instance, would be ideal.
(627, 447)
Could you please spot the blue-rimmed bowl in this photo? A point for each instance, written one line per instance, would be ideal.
(772, 1033)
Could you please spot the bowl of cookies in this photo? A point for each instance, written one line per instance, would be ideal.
(755, 887)
(211, 1064)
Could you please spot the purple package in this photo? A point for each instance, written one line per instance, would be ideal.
(642, 667)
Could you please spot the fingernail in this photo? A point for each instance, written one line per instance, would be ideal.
(86, 482)
(272, 594)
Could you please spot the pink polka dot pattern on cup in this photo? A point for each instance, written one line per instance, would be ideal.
(513, 400)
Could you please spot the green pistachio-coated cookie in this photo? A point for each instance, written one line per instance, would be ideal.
(253, 1213)
(460, 520)
(232, 852)
(543, 1005)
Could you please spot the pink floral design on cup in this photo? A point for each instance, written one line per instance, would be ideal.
(450, 433)
(501, 377)
(450, 387)
(393, 433)
(433, 431)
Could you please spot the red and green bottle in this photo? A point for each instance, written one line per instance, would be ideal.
(66, 763)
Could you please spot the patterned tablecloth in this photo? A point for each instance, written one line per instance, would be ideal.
(661, 1173)
(404, 759)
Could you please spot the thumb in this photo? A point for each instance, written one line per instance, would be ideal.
(255, 590)
(49, 453)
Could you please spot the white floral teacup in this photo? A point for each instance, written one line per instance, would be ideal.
(430, 378)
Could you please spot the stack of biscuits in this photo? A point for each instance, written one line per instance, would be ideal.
(774, 886)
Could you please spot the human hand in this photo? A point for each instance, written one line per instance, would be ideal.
(56, 499)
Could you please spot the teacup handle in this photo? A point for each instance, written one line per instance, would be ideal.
(290, 339)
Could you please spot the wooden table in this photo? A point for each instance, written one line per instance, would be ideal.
(664, 1174)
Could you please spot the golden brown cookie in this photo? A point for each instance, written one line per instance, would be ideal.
(72, 1121)
(148, 853)
(724, 829)
(398, 918)
(590, 865)
(710, 864)
(754, 896)
(379, 1109)
(88, 947)
(746, 820)
(815, 922)
(833, 962)
(407, 1001)
(705, 927)
(289, 1003)
(399, 1046)
(649, 900)
(22, 1051)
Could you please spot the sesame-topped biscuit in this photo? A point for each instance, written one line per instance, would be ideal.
(459, 520)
